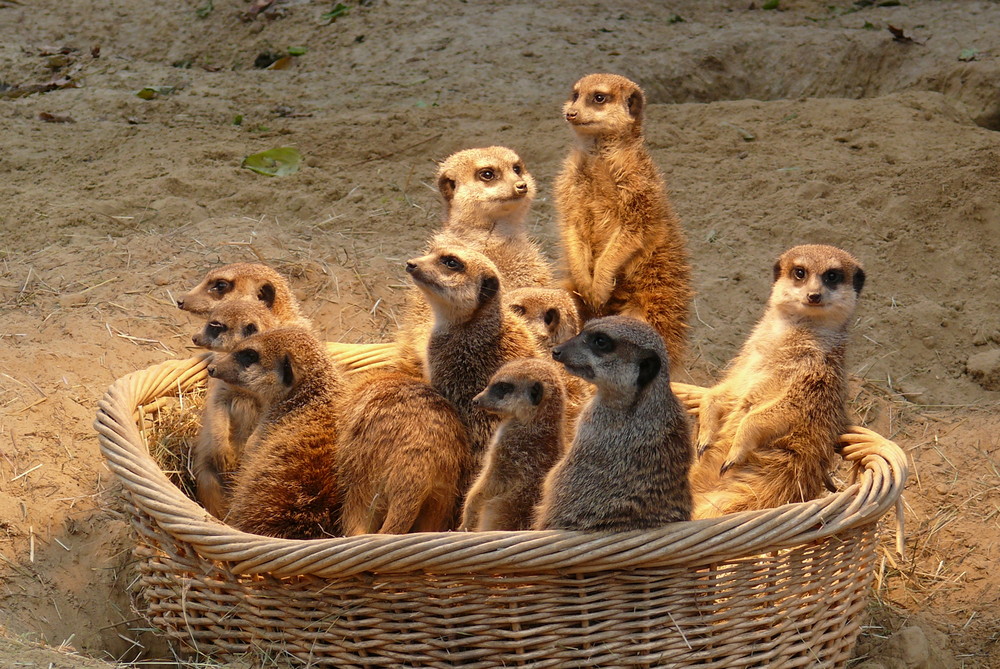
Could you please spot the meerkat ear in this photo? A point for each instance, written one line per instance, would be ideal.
(636, 102)
(266, 295)
(287, 373)
(777, 270)
(447, 187)
(859, 280)
(488, 289)
(649, 367)
(552, 319)
(535, 393)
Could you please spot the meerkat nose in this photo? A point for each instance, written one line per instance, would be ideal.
(814, 298)
(521, 187)
(556, 352)
(211, 371)
(180, 304)
(570, 115)
(411, 267)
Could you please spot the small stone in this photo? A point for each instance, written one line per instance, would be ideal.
(984, 368)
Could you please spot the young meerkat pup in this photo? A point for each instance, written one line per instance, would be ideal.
(623, 247)
(473, 335)
(528, 396)
(402, 450)
(487, 193)
(230, 414)
(245, 281)
(287, 484)
(627, 468)
(767, 432)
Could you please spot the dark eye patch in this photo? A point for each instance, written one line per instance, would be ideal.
(518, 309)
(833, 278)
(601, 343)
(452, 263)
(246, 357)
(501, 389)
(249, 329)
(214, 329)
(221, 286)
(799, 273)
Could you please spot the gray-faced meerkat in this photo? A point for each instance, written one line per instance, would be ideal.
(245, 281)
(767, 432)
(402, 451)
(527, 394)
(230, 414)
(287, 484)
(623, 247)
(473, 335)
(487, 193)
(628, 465)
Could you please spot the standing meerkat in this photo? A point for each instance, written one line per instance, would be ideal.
(767, 432)
(528, 396)
(628, 465)
(245, 281)
(623, 247)
(287, 485)
(487, 193)
(473, 335)
(402, 450)
(230, 414)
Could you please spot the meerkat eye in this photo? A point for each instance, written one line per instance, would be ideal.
(452, 263)
(486, 175)
(214, 329)
(249, 329)
(246, 357)
(602, 343)
(221, 286)
(502, 389)
(600, 98)
(518, 309)
(517, 170)
(799, 273)
(575, 96)
(833, 278)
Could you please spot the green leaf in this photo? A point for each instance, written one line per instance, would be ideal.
(278, 162)
(238, 119)
(675, 18)
(770, 4)
(967, 55)
(297, 50)
(206, 9)
(153, 92)
(869, 26)
(338, 10)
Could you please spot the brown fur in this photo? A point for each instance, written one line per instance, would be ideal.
(487, 193)
(287, 485)
(528, 396)
(472, 337)
(623, 247)
(230, 414)
(768, 430)
(627, 468)
(245, 281)
(403, 448)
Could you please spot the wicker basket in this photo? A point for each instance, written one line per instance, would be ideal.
(782, 587)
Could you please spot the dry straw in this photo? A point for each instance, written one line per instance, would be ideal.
(782, 587)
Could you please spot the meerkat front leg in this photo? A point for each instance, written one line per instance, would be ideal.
(580, 259)
(760, 426)
(710, 411)
(474, 502)
(620, 250)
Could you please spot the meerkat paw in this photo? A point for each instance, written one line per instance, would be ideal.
(734, 458)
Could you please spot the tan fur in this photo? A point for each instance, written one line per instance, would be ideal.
(768, 430)
(472, 337)
(402, 450)
(623, 247)
(627, 468)
(245, 281)
(230, 414)
(528, 396)
(487, 193)
(287, 485)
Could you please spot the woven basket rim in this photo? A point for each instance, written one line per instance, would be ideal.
(881, 463)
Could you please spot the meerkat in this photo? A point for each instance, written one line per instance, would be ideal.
(287, 485)
(473, 335)
(627, 467)
(402, 450)
(487, 193)
(767, 432)
(230, 414)
(245, 281)
(528, 396)
(623, 247)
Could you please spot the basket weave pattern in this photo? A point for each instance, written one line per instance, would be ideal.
(782, 587)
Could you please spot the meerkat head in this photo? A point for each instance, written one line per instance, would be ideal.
(618, 354)
(605, 105)
(240, 281)
(456, 282)
(486, 184)
(519, 388)
(818, 284)
(550, 313)
(229, 323)
(269, 364)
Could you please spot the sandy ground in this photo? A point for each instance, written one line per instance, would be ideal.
(809, 123)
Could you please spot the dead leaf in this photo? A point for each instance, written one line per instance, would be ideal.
(256, 8)
(55, 118)
(899, 36)
(282, 63)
